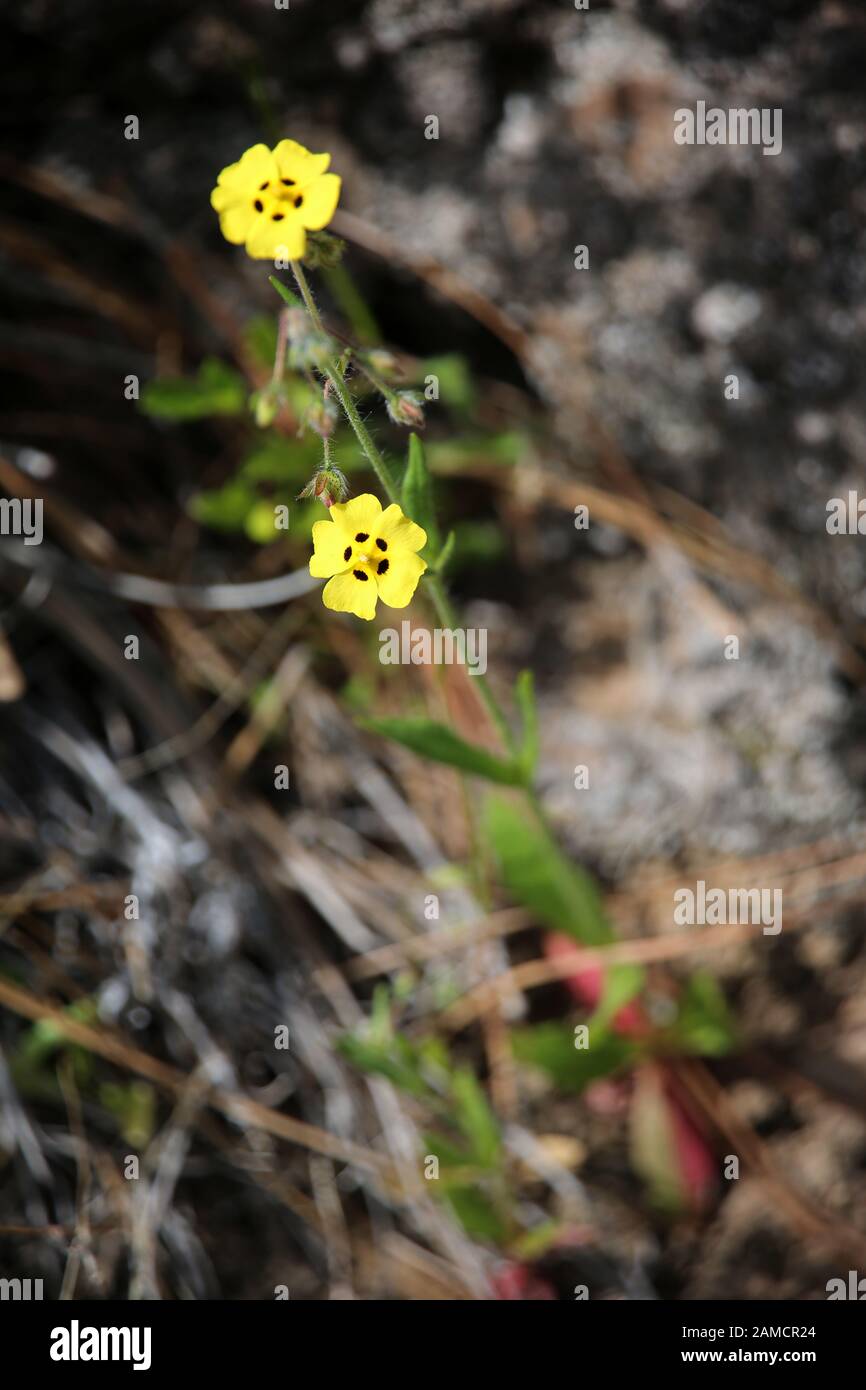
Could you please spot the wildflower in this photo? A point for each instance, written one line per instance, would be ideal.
(270, 199)
(366, 553)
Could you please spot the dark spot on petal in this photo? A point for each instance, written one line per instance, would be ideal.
(347, 553)
(299, 200)
(359, 574)
(259, 205)
(383, 545)
(382, 567)
(277, 216)
(263, 186)
(362, 536)
(288, 182)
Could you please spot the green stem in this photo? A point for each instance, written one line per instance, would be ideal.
(434, 584)
(344, 395)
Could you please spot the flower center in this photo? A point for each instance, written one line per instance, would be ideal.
(273, 195)
(377, 563)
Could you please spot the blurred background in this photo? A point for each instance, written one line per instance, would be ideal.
(131, 340)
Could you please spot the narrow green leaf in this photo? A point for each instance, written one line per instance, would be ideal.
(417, 492)
(394, 1061)
(621, 984)
(537, 874)
(285, 293)
(550, 1046)
(704, 1025)
(524, 693)
(476, 1214)
(437, 742)
(652, 1144)
(475, 1118)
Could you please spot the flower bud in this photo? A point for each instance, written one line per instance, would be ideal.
(407, 408)
(383, 362)
(323, 251)
(327, 485)
(266, 405)
(322, 417)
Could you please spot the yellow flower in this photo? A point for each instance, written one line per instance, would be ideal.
(366, 553)
(270, 199)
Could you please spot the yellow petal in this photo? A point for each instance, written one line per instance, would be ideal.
(297, 163)
(235, 224)
(346, 594)
(329, 547)
(399, 531)
(399, 584)
(320, 201)
(268, 240)
(360, 515)
(255, 167)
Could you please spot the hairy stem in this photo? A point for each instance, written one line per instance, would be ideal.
(344, 395)
(435, 587)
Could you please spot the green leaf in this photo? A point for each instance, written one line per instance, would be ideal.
(217, 390)
(455, 381)
(417, 492)
(537, 874)
(476, 1214)
(279, 460)
(394, 1060)
(456, 455)
(475, 1118)
(551, 1047)
(437, 742)
(704, 1026)
(524, 693)
(225, 508)
(285, 293)
(652, 1144)
(449, 1154)
(621, 984)
(260, 336)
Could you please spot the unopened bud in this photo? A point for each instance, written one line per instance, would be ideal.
(266, 404)
(406, 408)
(384, 362)
(327, 485)
(323, 250)
(322, 418)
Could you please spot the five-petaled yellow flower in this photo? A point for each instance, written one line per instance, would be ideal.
(270, 199)
(366, 553)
